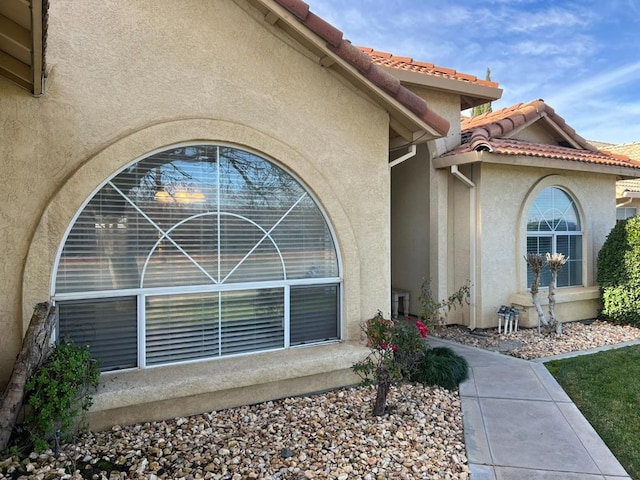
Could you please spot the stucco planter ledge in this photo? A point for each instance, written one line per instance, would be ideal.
(572, 304)
(160, 393)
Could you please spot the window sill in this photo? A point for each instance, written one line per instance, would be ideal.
(572, 304)
(187, 389)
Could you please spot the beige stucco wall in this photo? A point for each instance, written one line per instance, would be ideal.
(418, 207)
(130, 77)
(410, 225)
(506, 194)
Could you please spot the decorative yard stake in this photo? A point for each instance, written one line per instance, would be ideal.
(555, 261)
(537, 263)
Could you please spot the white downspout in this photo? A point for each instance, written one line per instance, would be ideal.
(473, 242)
(406, 156)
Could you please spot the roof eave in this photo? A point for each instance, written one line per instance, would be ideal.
(38, 32)
(471, 94)
(402, 120)
(22, 43)
(536, 162)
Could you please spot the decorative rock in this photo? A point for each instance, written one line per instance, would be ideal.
(527, 344)
(332, 435)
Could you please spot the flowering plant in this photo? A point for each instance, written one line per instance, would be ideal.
(397, 348)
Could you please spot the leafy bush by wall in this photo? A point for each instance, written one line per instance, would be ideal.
(619, 273)
(59, 394)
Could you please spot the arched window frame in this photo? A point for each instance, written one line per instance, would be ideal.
(579, 264)
(141, 293)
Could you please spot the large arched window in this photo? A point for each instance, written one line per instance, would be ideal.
(554, 226)
(197, 252)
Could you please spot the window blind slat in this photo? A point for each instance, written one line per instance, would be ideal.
(314, 314)
(108, 326)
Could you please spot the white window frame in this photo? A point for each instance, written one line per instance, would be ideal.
(554, 234)
(142, 292)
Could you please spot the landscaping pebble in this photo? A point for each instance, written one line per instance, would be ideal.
(327, 436)
(527, 344)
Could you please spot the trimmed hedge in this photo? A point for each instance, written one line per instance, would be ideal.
(619, 273)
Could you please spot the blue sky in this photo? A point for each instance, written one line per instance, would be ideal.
(581, 57)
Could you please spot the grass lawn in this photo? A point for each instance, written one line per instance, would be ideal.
(606, 388)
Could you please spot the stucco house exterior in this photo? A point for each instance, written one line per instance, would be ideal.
(525, 182)
(208, 193)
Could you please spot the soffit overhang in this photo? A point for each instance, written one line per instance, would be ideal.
(23, 29)
(471, 94)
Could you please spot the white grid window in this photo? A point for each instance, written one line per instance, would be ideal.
(208, 249)
(554, 226)
(622, 213)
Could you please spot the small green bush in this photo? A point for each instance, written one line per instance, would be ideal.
(58, 393)
(619, 273)
(443, 367)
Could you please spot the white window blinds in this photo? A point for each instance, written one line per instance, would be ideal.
(207, 238)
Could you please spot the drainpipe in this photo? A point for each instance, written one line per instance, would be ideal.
(406, 156)
(627, 197)
(473, 242)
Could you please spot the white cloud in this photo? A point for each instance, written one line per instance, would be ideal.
(599, 84)
(546, 19)
(580, 57)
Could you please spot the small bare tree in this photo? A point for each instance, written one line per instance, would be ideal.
(537, 262)
(555, 261)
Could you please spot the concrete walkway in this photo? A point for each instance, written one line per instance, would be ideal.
(520, 424)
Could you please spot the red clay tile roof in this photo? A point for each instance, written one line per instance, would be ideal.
(408, 63)
(490, 132)
(632, 150)
(364, 64)
(502, 122)
(628, 185)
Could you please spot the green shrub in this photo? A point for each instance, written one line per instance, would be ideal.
(619, 273)
(59, 393)
(443, 367)
(435, 312)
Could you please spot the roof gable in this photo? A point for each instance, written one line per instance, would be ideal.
(508, 122)
(498, 133)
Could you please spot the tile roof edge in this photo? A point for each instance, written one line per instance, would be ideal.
(518, 115)
(460, 76)
(373, 74)
(607, 158)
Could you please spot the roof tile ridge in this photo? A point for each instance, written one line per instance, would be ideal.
(299, 8)
(563, 125)
(436, 68)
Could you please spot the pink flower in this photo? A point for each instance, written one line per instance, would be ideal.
(394, 348)
(422, 329)
(384, 345)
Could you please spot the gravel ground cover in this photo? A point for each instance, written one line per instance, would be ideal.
(326, 436)
(527, 344)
